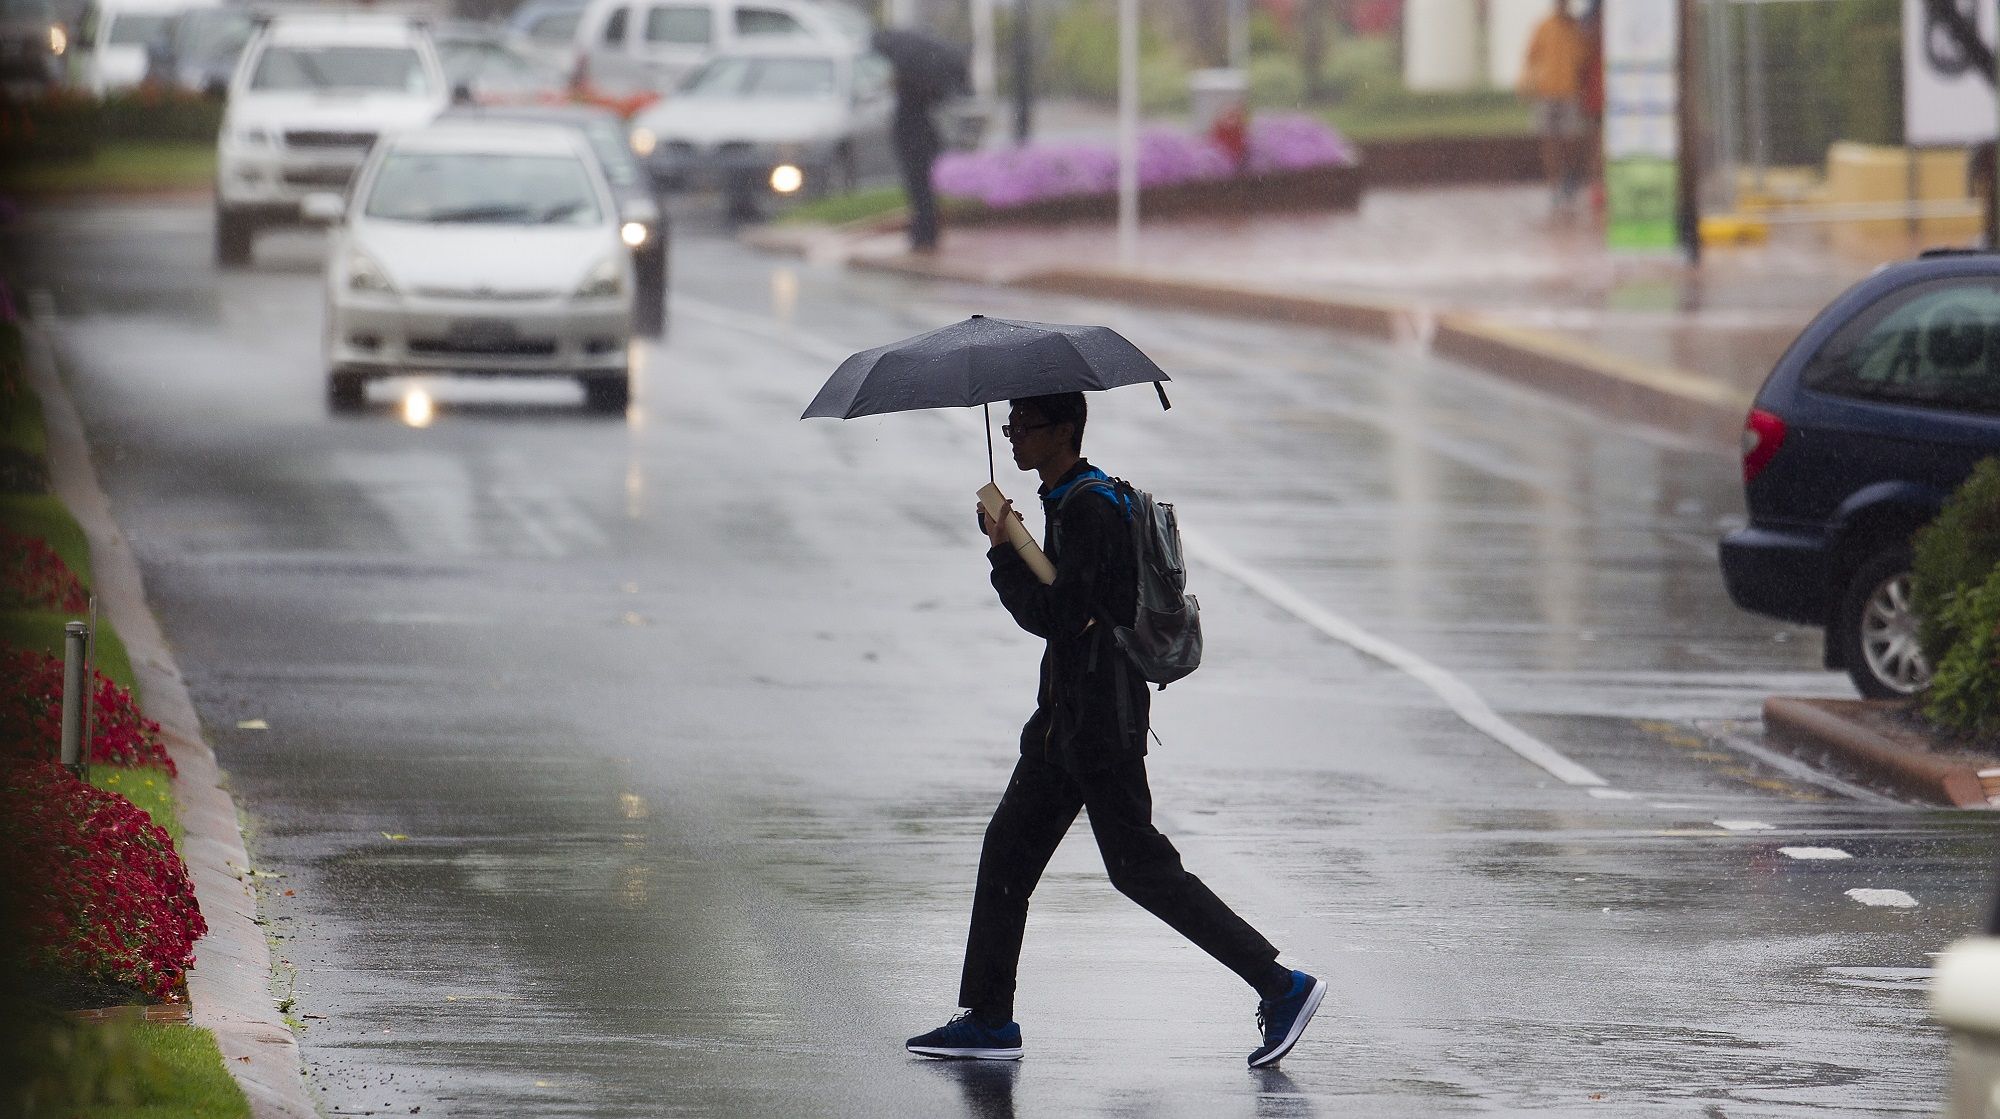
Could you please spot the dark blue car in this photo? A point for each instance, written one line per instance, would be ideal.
(1879, 410)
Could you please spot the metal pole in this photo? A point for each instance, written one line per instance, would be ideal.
(1239, 35)
(983, 83)
(75, 634)
(1024, 75)
(1722, 81)
(1687, 135)
(1753, 76)
(1128, 130)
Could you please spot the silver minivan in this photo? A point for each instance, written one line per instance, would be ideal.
(632, 45)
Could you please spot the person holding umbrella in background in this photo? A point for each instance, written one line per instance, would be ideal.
(929, 71)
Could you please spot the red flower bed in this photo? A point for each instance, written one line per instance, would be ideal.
(31, 716)
(34, 577)
(96, 885)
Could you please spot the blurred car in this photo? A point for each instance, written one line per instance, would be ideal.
(108, 53)
(197, 50)
(625, 46)
(308, 100)
(484, 67)
(777, 120)
(1877, 412)
(546, 29)
(484, 249)
(33, 42)
(643, 219)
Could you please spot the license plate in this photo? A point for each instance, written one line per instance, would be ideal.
(481, 332)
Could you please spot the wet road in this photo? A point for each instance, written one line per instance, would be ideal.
(632, 768)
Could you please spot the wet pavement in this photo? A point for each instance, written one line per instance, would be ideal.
(638, 767)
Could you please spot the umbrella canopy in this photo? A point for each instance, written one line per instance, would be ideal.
(928, 69)
(980, 361)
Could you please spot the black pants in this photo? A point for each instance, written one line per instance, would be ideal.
(917, 147)
(1039, 806)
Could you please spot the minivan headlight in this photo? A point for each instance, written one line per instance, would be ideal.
(643, 142)
(366, 276)
(606, 281)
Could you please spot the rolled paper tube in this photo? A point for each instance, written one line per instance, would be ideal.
(990, 499)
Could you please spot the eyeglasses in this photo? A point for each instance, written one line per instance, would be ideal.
(1008, 431)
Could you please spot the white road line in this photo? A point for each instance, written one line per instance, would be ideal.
(1744, 825)
(1456, 693)
(1895, 898)
(1810, 853)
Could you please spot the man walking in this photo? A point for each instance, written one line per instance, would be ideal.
(1084, 749)
(928, 72)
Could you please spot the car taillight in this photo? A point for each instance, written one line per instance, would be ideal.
(1763, 434)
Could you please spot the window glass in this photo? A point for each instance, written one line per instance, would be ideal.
(483, 188)
(26, 9)
(375, 69)
(763, 21)
(763, 77)
(1935, 344)
(614, 28)
(558, 27)
(136, 28)
(693, 26)
(614, 152)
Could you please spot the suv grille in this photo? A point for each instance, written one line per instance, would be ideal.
(313, 138)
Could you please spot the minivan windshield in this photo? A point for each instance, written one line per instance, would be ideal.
(132, 29)
(342, 68)
(744, 77)
(483, 188)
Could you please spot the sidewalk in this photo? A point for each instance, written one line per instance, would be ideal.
(1484, 274)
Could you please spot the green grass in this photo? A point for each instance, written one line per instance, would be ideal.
(1426, 119)
(840, 209)
(125, 1069)
(130, 165)
(147, 786)
(43, 630)
(43, 516)
(21, 424)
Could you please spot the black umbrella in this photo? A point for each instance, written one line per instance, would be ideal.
(980, 361)
(928, 69)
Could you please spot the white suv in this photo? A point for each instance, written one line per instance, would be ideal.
(309, 98)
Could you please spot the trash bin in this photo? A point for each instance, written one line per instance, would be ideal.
(1965, 999)
(1215, 93)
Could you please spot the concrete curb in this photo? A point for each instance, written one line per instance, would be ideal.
(1626, 388)
(230, 986)
(1905, 762)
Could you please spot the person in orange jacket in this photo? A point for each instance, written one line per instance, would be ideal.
(1552, 79)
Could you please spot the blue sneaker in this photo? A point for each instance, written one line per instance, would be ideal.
(1284, 1019)
(965, 1039)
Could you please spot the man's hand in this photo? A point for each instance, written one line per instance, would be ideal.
(996, 527)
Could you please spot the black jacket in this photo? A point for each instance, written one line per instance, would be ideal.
(1080, 722)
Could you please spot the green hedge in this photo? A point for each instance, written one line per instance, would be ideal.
(71, 127)
(1956, 593)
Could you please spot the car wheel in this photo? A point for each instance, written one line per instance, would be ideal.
(1877, 629)
(608, 394)
(234, 237)
(346, 390)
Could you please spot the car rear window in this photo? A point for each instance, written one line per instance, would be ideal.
(451, 188)
(1934, 344)
(693, 26)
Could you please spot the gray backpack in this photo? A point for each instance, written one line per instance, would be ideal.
(1164, 641)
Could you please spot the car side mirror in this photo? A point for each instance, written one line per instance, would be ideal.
(323, 208)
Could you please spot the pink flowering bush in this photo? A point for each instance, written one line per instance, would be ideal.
(1004, 177)
(34, 577)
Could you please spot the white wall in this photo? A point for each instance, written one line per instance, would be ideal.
(1441, 44)
(1510, 24)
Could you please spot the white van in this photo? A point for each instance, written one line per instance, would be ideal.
(653, 44)
(110, 49)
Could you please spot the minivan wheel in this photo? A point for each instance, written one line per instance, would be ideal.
(346, 390)
(234, 238)
(608, 394)
(1877, 629)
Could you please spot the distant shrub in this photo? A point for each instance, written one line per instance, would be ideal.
(1965, 690)
(70, 126)
(1954, 554)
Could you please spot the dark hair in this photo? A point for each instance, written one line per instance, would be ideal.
(1059, 408)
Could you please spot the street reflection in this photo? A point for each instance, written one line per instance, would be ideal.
(987, 1086)
(1278, 1096)
(784, 294)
